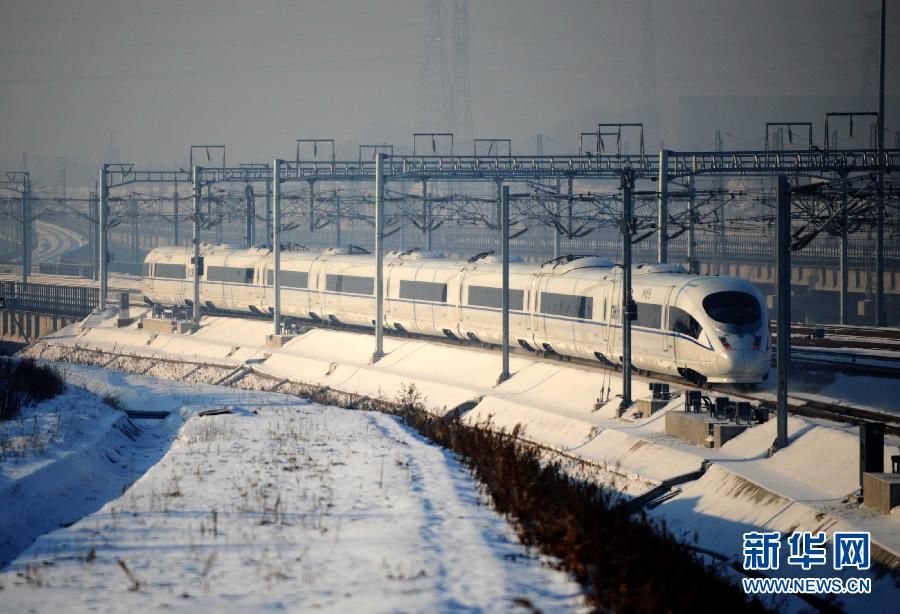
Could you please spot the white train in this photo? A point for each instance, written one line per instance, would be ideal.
(706, 329)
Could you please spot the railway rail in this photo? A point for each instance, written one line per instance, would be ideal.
(834, 348)
(798, 405)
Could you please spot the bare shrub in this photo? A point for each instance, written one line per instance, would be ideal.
(23, 381)
(135, 583)
(625, 562)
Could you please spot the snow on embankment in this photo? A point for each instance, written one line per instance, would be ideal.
(59, 460)
(286, 505)
(554, 402)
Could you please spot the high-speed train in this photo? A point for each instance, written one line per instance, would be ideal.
(706, 329)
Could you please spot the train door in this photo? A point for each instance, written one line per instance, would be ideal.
(538, 322)
(602, 316)
(456, 299)
(389, 304)
(611, 308)
(668, 342)
(260, 283)
(148, 275)
(316, 283)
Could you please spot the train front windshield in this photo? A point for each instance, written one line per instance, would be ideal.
(737, 312)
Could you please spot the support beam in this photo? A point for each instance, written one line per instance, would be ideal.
(176, 223)
(379, 257)
(845, 237)
(692, 215)
(26, 230)
(504, 246)
(250, 214)
(628, 306)
(403, 222)
(498, 216)
(880, 319)
(570, 180)
(94, 248)
(662, 213)
(783, 297)
(557, 237)
(311, 208)
(426, 214)
(220, 218)
(268, 209)
(337, 219)
(195, 220)
(104, 238)
(276, 243)
(133, 222)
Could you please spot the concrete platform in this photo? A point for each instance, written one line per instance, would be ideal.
(702, 430)
(277, 341)
(158, 325)
(881, 491)
(648, 407)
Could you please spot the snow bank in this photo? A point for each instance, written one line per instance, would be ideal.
(555, 401)
(285, 505)
(60, 460)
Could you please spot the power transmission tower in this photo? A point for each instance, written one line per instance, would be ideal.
(462, 91)
(437, 104)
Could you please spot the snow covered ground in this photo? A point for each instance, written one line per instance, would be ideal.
(565, 407)
(280, 504)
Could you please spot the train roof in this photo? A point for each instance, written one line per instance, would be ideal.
(590, 268)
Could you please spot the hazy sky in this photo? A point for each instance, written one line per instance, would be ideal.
(256, 75)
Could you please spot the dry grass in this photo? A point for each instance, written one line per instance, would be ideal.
(624, 562)
(23, 381)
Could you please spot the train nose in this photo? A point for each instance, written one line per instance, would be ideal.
(743, 363)
(730, 361)
(757, 363)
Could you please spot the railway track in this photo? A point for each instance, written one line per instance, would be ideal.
(807, 352)
(836, 412)
(852, 362)
(831, 330)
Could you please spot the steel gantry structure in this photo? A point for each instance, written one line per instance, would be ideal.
(19, 183)
(841, 187)
(665, 169)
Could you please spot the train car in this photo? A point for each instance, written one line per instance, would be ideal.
(422, 293)
(165, 271)
(230, 278)
(706, 329)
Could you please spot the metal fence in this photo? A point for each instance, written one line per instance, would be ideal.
(65, 268)
(75, 301)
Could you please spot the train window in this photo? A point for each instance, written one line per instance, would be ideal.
(350, 284)
(649, 315)
(487, 296)
(732, 307)
(289, 279)
(567, 305)
(170, 271)
(423, 291)
(145, 270)
(233, 275)
(682, 322)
